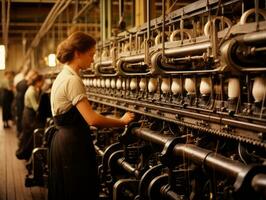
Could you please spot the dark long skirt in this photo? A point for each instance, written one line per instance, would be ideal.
(29, 123)
(72, 167)
(8, 97)
(21, 88)
(19, 114)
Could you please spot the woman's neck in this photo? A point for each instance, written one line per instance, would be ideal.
(74, 66)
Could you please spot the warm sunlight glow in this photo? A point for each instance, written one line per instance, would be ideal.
(51, 60)
(2, 57)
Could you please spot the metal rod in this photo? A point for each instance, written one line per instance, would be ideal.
(77, 15)
(98, 150)
(188, 113)
(176, 121)
(121, 9)
(163, 29)
(126, 166)
(148, 20)
(259, 184)
(251, 38)
(150, 135)
(196, 154)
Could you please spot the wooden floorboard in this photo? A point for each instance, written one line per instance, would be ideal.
(10, 181)
(13, 171)
(2, 166)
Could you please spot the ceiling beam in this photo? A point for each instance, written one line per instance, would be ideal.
(33, 1)
(22, 31)
(44, 1)
(34, 24)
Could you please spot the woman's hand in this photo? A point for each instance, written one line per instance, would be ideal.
(127, 117)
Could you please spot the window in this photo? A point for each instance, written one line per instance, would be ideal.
(2, 57)
(51, 60)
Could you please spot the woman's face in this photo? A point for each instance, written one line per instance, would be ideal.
(38, 85)
(86, 58)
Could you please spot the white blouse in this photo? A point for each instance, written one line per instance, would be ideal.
(67, 90)
(32, 98)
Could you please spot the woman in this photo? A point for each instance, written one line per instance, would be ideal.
(73, 170)
(29, 120)
(8, 97)
(21, 88)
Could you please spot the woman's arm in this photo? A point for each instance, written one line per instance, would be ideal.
(95, 119)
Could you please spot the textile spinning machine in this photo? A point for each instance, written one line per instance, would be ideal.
(196, 80)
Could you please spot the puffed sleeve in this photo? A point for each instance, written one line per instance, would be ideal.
(75, 90)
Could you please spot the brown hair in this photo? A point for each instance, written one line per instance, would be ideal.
(8, 72)
(77, 41)
(38, 78)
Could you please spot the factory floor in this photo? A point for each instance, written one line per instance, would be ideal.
(13, 171)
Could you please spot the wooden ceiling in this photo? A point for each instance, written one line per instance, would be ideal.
(27, 16)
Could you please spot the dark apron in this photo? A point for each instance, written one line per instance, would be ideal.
(29, 123)
(21, 88)
(72, 162)
(7, 105)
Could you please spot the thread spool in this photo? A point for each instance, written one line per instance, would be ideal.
(103, 83)
(142, 84)
(118, 84)
(98, 82)
(190, 86)
(152, 85)
(205, 86)
(85, 82)
(133, 84)
(113, 83)
(123, 84)
(94, 82)
(259, 89)
(176, 86)
(165, 86)
(233, 88)
(107, 83)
